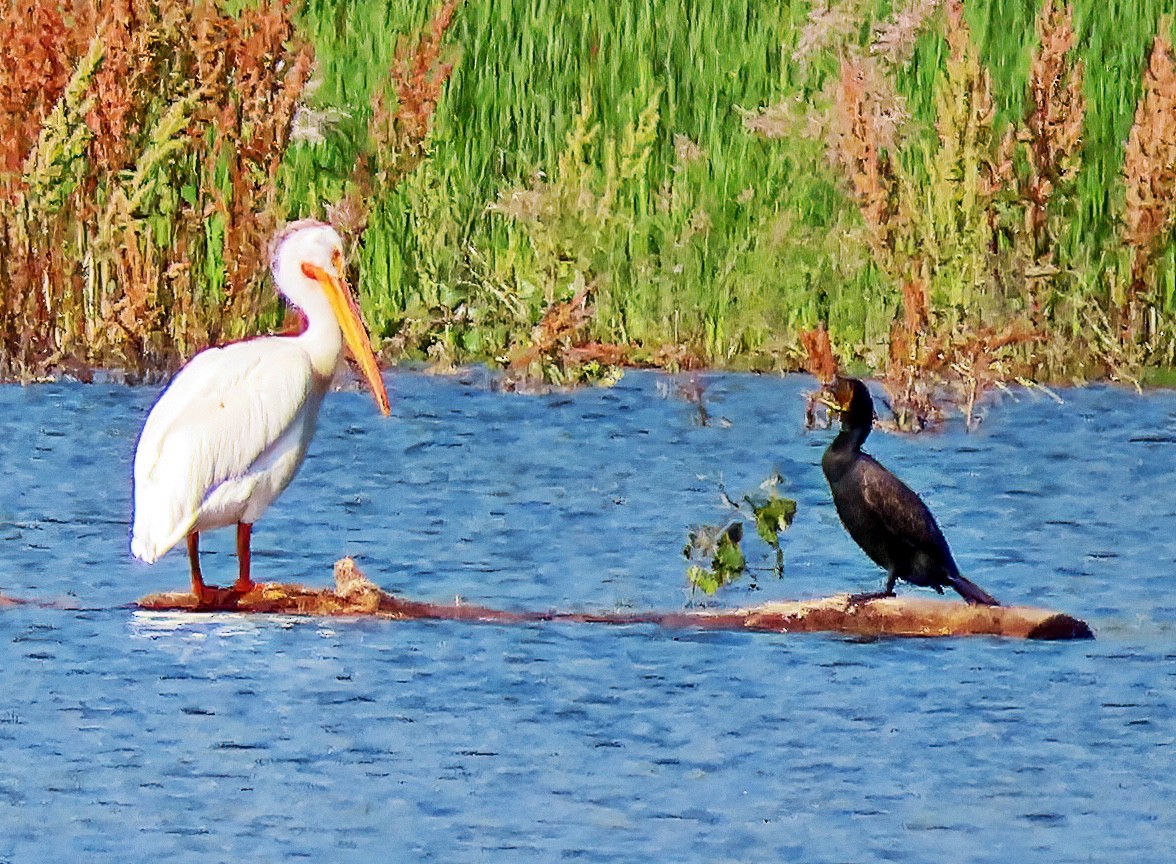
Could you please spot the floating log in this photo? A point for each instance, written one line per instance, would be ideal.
(355, 595)
(915, 616)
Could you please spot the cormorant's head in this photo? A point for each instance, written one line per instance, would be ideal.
(850, 399)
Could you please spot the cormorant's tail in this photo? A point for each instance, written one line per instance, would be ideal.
(972, 592)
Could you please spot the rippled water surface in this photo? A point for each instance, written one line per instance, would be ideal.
(134, 737)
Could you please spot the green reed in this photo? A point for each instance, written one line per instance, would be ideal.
(659, 157)
(711, 237)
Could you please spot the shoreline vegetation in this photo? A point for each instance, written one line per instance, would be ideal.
(946, 195)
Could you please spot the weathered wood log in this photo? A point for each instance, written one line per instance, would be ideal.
(916, 616)
(355, 595)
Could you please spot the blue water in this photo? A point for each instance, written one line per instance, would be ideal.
(138, 737)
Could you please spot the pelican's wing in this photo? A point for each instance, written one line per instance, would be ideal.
(212, 422)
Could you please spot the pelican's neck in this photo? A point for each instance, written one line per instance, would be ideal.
(322, 339)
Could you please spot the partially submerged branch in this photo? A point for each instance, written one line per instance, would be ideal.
(355, 595)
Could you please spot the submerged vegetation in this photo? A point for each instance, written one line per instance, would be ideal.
(956, 194)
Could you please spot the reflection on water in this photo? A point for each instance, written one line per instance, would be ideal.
(131, 736)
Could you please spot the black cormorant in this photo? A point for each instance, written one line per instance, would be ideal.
(883, 516)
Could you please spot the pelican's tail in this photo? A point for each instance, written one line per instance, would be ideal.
(154, 532)
(142, 547)
(972, 592)
(143, 550)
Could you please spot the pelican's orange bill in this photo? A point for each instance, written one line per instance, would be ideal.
(354, 333)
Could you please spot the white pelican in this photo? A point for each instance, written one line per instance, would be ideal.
(230, 431)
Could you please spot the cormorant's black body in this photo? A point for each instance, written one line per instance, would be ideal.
(881, 513)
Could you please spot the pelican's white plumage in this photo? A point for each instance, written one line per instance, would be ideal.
(199, 464)
(231, 430)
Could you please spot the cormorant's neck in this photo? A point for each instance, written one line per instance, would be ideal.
(850, 439)
(841, 455)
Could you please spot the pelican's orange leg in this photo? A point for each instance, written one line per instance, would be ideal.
(194, 560)
(244, 583)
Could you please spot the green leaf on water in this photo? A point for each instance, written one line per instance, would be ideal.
(704, 580)
(772, 517)
(720, 544)
(729, 562)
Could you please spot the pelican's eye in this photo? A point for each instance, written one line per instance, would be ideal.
(337, 260)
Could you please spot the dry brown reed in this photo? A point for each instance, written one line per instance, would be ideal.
(399, 126)
(559, 352)
(894, 40)
(930, 364)
(819, 359)
(150, 179)
(820, 362)
(913, 370)
(556, 331)
(969, 301)
(866, 116)
(1052, 133)
(34, 69)
(1149, 174)
(979, 359)
(257, 128)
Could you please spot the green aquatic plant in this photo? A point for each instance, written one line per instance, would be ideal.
(720, 545)
(773, 514)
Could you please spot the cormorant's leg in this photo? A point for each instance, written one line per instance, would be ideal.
(194, 562)
(887, 591)
(244, 583)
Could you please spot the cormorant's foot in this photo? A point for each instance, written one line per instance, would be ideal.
(858, 599)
